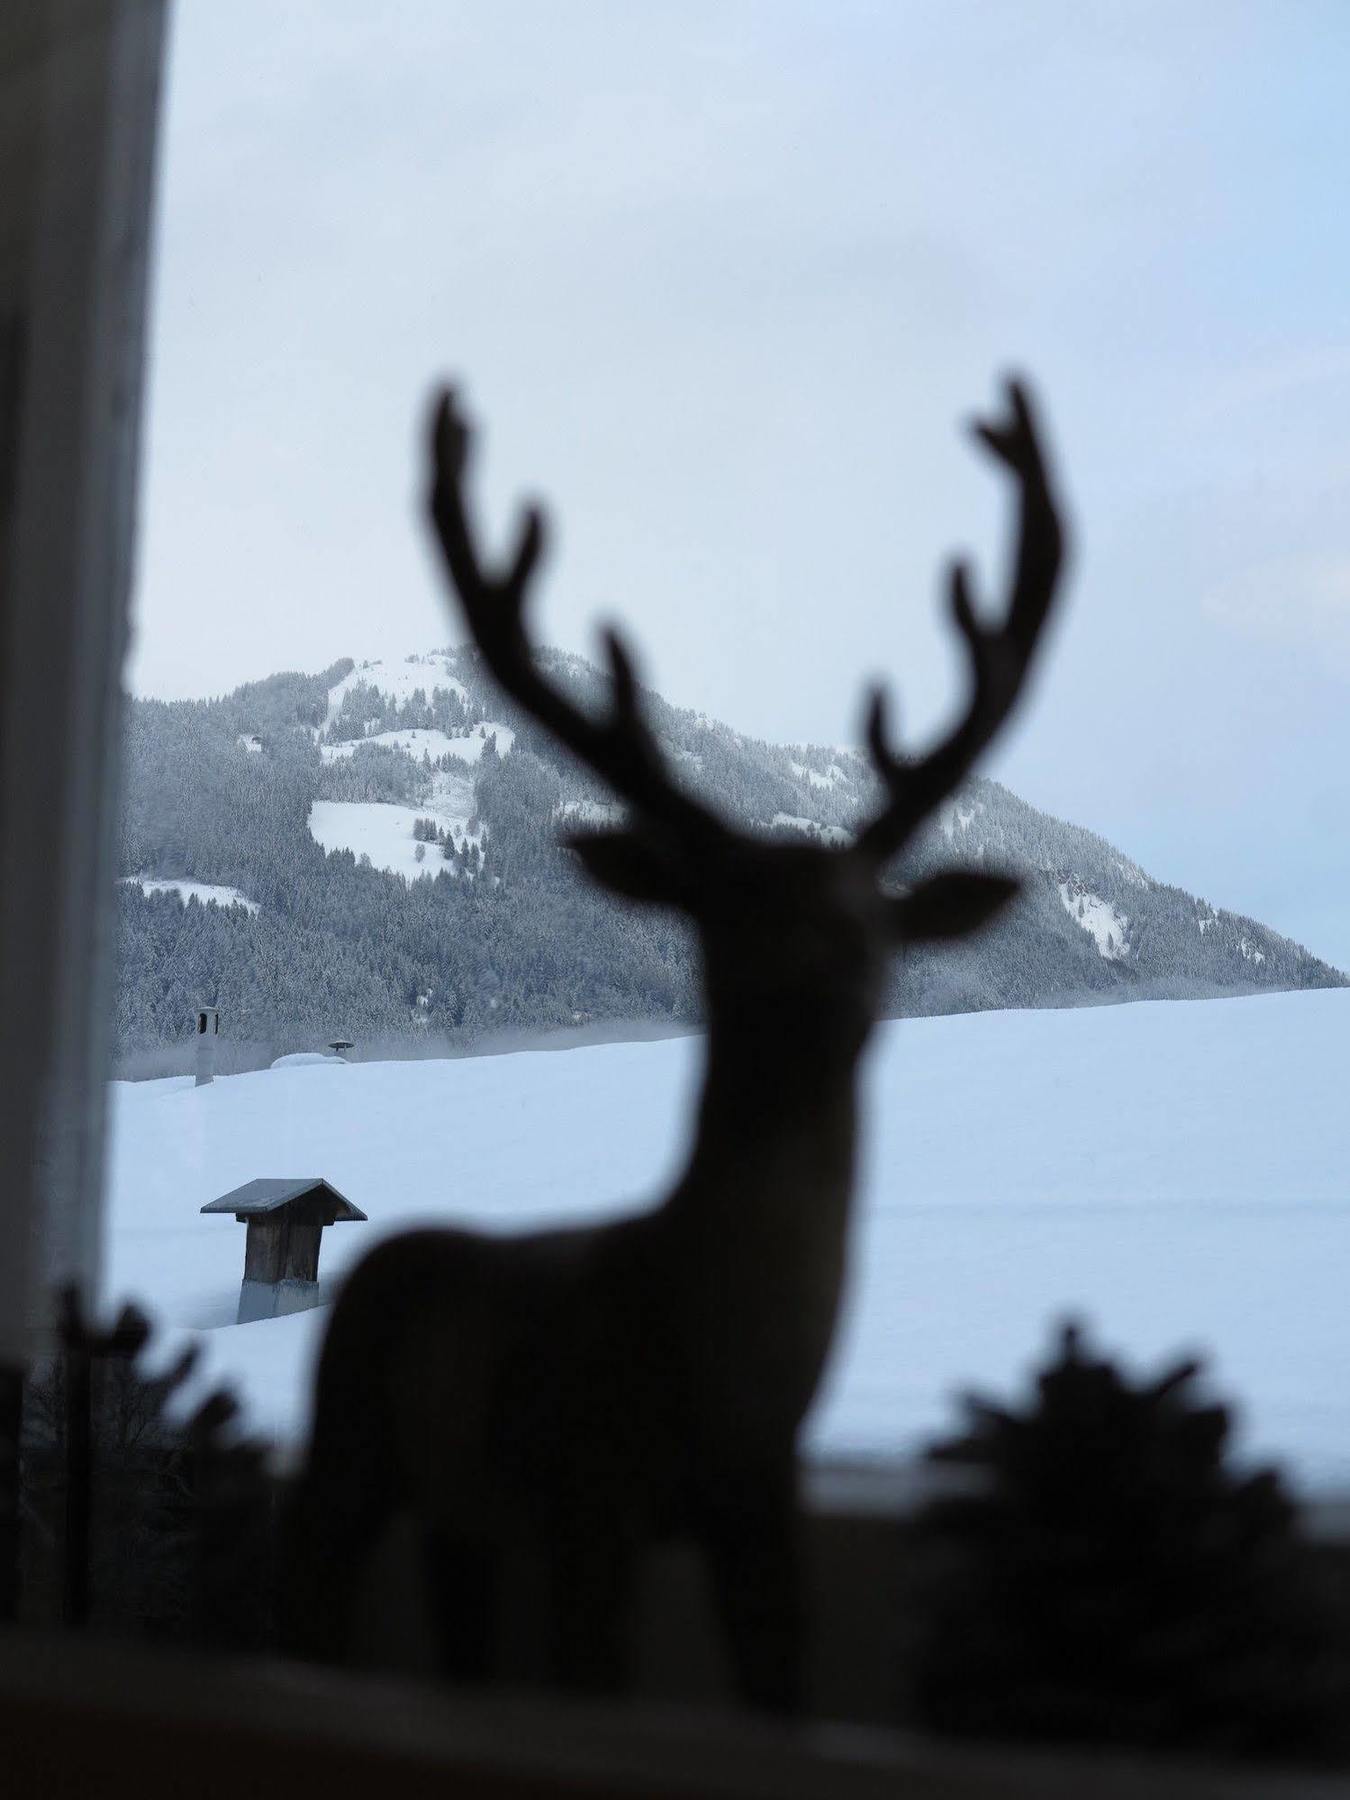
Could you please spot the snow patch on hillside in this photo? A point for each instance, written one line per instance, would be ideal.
(252, 744)
(452, 806)
(598, 813)
(209, 893)
(399, 680)
(1104, 925)
(1132, 873)
(376, 830)
(470, 748)
(828, 834)
(384, 832)
(832, 777)
(467, 748)
(414, 743)
(957, 816)
(1251, 952)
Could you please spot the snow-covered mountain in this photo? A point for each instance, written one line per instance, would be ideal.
(372, 850)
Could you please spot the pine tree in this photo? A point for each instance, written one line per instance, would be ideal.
(1113, 1579)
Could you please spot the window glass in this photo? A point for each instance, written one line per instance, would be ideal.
(721, 284)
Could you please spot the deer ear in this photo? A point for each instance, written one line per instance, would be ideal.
(629, 865)
(950, 906)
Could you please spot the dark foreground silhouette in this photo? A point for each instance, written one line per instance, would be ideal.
(1116, 1576)
(591, 1391)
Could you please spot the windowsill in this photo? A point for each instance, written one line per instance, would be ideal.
(858, 1568)
(78, 1718)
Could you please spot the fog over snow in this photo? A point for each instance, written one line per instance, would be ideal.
(1177, 1174)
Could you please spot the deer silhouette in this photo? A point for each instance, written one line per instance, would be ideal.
(597, 1389)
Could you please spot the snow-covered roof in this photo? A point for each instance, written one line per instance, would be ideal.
(267, 1195)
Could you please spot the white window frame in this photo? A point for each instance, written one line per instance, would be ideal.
(79, 109)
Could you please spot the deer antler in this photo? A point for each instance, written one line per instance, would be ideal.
(620, 745)
(1000, 655)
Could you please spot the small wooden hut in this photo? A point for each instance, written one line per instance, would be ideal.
(285, 1220)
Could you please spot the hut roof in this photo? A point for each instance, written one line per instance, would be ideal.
(267, 1195)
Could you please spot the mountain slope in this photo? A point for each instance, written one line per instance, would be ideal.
(393, 827)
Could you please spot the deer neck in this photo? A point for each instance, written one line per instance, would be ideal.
(774, 1100)
(762, 1210)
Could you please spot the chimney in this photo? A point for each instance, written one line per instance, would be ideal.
(208, 1027)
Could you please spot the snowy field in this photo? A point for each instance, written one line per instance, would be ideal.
(384, 832)
(1176, 1173)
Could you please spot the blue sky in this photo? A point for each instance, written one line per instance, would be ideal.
(722, 281)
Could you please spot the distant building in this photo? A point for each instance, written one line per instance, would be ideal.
(285, 1220)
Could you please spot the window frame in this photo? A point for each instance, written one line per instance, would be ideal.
(79, 111)
(80, 84)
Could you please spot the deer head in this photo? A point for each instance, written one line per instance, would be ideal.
(798, 932)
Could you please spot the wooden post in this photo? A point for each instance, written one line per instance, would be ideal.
(208, 1028)
(280, 1249)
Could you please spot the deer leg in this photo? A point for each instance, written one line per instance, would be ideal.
(335, 1516)
(464, 1578)
(592, 1568)
(750, 1540)
(331, 1525)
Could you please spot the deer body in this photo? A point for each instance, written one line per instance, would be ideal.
(600, 1389)
(595, 1390)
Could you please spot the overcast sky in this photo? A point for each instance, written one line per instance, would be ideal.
(721, 282)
